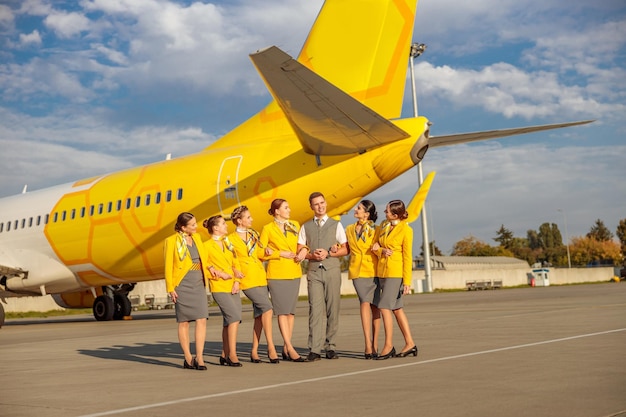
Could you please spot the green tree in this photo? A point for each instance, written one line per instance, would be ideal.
(600, 232)
(551, 243)
(621, 235)
(504, 236)
(471, 246)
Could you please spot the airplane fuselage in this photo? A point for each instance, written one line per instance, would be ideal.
(109, 230)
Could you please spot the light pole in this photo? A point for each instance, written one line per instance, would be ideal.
(416, 50)
(569, 260)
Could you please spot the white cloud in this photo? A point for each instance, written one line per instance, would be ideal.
(31, 38)
(67, 25)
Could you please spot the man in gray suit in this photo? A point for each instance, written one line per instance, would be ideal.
(326, 240)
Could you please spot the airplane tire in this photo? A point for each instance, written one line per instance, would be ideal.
(123, 306)
(103, 308)
(1, 315)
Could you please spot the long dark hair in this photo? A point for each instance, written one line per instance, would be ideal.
(275, 206)
(182, 220)
(370, 208)
(397, 207)
(211, 222)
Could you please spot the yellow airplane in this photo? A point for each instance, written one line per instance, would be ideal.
(332, 127)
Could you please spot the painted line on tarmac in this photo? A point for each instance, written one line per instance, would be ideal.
(306, 381)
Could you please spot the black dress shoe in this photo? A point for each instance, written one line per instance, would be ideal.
(197, 366)
(331, 354)
(391, 354)
(312, 357)
(223, 361)
(254, 360)
(412, 351)
(186, 365)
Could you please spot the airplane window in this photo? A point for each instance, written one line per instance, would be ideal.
(30, 222)
(91, 210)
(157, 198)
(128, 203)
(23, 223)
(1, 227)
(38, 220)
(100, 208)
(82, 212)
(119, 205)
(47, 219)
(109, 207)
(55, 217)
(15, 225)
(63, 215)
(180, 193)
(8, 226)
(73, 214)
(137, 201)
(168, 196)
(147, 199)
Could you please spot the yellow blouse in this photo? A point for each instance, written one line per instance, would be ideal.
(251, 265)
(222, 260)
(273, 237)
(363, 261)
(400, 263)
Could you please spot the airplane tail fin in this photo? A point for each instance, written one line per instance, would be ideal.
(363, 47)
(417, 202)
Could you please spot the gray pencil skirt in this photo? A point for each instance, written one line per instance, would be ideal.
(230, 306)
(365, 289)
(389, 293)
(260, 298)
(284, 294)
(192, 301)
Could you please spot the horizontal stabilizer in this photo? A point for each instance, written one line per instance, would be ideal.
(417, 202)
(326, 120)
(436, 141)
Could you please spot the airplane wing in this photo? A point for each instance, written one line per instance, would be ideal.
(326, 120)
(436, 141)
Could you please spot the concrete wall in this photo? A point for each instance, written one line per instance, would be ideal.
(442, 280)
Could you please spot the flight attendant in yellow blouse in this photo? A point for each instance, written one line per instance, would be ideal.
(248, 249)
(280, 240)
(362, 271)
(186, 274)
(225, 285)
(393, 244)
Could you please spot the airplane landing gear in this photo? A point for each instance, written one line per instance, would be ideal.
(114, 304)
(1, 315)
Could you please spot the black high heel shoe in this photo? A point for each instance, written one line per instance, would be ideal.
(391, 354)
(412, 351)
(254, 360)
(186, 365)
(273, 360)
(286, 357)
(197, 366)
(231, 363)
(223, 361)
(369, 355)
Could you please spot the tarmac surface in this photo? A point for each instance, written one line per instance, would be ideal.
(551, 351)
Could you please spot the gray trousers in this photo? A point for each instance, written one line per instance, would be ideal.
(324, 287)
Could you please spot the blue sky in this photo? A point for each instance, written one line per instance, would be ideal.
(89, 87)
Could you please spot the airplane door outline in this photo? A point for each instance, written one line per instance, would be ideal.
(227, 183)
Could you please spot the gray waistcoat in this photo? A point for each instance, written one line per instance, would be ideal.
(322, 238)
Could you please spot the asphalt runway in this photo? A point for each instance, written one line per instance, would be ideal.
(553, 351)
